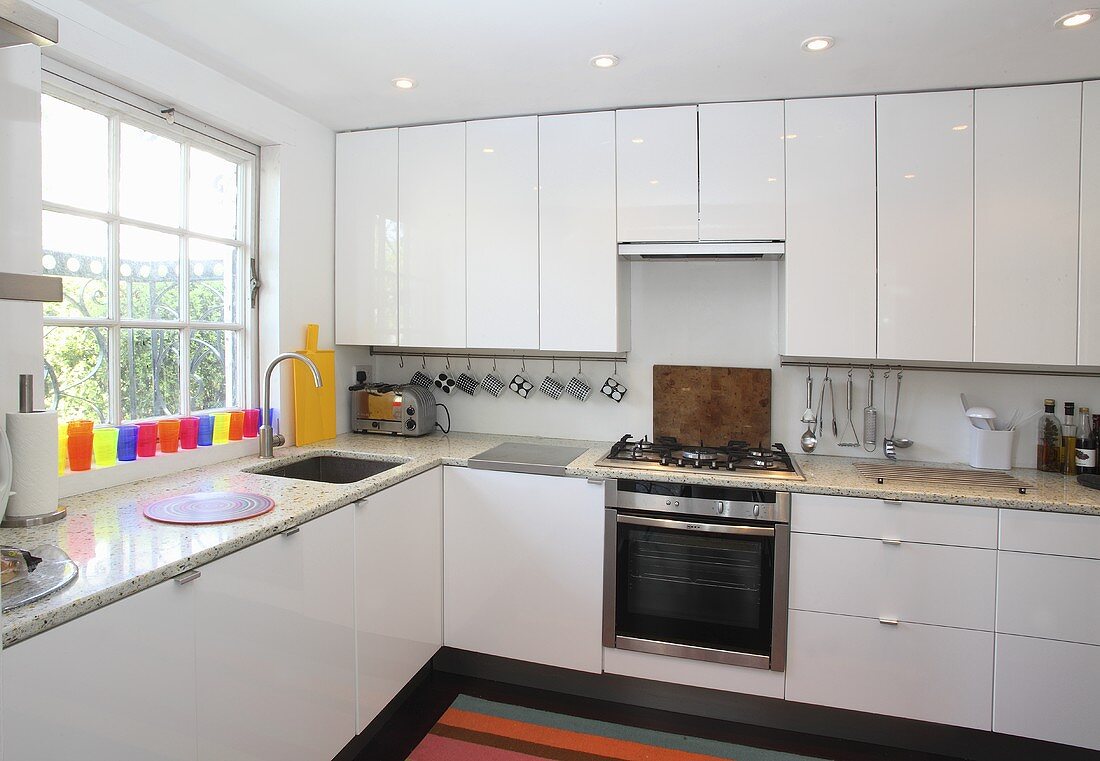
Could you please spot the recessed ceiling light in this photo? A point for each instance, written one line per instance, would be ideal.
(960, 127)
(791, 136)
(773, 179)
(1076, 19)
(637, 140)
(908, 176)
(404, 83)
(653, 182)
(817, 44)
(486, 150)
(604, 60)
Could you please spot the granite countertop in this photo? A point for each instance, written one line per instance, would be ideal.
(120, 552)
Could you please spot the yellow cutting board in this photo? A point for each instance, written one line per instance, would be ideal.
(314, 408)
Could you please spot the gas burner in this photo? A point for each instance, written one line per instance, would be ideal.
(700, 454)
(734, 458)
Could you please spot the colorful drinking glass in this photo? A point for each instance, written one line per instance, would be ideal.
(79, 446)
(236, 425)
(206, 430)
(189, 432)
(221, 427)
(80, 426)
(168, 431)
(62, 447)
(147, 440)
(251, 423)
(127, 442)
(105, 446)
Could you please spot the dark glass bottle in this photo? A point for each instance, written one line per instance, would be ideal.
(1086, 443)
(1048, 455)
(1069, 442)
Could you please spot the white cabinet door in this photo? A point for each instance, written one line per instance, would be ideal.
(398, 587)
(930, 673)
(584, 287)
(523, 567)
(432, 239)
(926, 226)
(657, 155)
(829, 267)
(1050, 533)
(905, 581)
(502, 233)
(1048, 596)
(741, 175)
(117, 683)
(1088, 325)
(366, 238)
(1027, 152)
(1047, 690)
(275, 646)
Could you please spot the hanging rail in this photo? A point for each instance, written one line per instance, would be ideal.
(1068, 371)
(535, 356)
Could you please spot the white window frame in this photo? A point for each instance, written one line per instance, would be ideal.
(123, 106)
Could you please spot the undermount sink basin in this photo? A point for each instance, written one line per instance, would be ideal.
(330, 469)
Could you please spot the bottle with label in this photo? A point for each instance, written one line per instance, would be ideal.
(1086, 443)
(1048, 455)
(1069, 442)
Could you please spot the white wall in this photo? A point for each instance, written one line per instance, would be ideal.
(298, 161)
(727, 314)
(20, 215)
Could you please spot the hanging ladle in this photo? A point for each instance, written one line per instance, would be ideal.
(809, 440)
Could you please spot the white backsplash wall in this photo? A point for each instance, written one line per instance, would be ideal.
(727, 314)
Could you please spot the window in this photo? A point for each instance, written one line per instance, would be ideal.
(150, 225)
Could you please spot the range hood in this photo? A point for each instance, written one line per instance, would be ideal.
(21, 23)
(735, 249)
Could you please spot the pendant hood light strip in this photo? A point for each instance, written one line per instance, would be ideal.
(767, 250)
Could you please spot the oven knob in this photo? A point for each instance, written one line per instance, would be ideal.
(410, 425)
(756, 511)
(410, 410)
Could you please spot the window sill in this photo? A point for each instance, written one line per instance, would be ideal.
(150, 467)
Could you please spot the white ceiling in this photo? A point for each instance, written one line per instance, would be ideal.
(334, 59)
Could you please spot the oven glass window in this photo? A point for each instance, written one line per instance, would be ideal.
(706, 589)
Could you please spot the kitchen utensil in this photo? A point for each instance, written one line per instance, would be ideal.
(821, 407)
(105, 446)
(444, 382)
(467, 382)
(578, 386)
(552, 385)
(965, 403)
(982, 417)
(870, 416)
(80, 450)
(208, 507)
(808, 415)
(1011, 424)
(891, 444)
(127, 442)
(422, 379)
(832, 402)
(844, 441)
(1026, 419)
(521, 384)
(990, 449)
(236, 427)
(613, 388)
(809, 440)
(168, 432)
(53, 571)
(714, 404)
(189, 431)
(251, 423)
(493, 383)
(206, 430)
(314, 407)
(221, 428)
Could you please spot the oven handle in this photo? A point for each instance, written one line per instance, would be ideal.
(716, 528)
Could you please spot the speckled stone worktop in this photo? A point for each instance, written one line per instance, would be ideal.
(120, 552)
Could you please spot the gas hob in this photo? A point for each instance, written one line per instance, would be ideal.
(735, 458)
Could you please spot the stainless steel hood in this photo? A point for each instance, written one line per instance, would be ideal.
(769, 250)
(21, 23)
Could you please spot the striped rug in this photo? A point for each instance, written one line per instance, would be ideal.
(473, 729)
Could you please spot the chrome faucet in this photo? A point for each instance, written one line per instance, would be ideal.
(268, 438)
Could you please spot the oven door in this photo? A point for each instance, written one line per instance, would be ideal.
(707, 591)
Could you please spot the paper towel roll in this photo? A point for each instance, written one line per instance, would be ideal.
(34, 486)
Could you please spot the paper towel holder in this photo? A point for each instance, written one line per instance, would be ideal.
(26, 404)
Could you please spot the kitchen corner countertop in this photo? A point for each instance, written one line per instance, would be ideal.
(121, 552)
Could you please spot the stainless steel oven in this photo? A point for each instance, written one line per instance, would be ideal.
(697, 572)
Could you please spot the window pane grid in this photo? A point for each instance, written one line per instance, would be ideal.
(199, 359)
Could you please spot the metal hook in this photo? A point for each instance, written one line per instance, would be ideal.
(401, 361)
(615, 367)
(523, 363)
(448, 358)
(469, 367)
(423, 362)
(580, 370)
(553, 364)
(494, 364)
(849, 372)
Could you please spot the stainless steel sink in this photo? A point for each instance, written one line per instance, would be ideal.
(330, 469)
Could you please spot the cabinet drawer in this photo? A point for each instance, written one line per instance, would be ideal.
(885, 519)
(929, 673)
(1048, 596)
(1050, 533)
(918, 583)
(1047, 690)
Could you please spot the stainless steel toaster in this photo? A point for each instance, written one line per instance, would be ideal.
(404, 410)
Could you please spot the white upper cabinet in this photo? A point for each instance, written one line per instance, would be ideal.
(366, 238)
(583, 285)
(741, 175)
(658, 177)
(926, 226)
(432, 239)
(1027, 151)
(829, 270)
(502, 233)
(1088, 328)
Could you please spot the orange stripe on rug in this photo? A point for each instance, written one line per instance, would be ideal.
(624, 750)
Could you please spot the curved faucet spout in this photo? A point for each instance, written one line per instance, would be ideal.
(267, 436)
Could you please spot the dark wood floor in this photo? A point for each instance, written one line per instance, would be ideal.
(419, 713)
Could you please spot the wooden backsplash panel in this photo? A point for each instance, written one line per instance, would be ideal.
(712, 404)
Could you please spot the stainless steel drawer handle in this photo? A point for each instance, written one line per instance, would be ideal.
(596, 481)
(894, 542)
(187, 578)
(888, 621)
(292, 531)
(891, 501)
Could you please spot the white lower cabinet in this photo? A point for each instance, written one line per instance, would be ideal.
(398, 587)
(1047, 690)
(275, 646)
(930, 673)
(523, 567)
(712, 676)
(118, 683)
